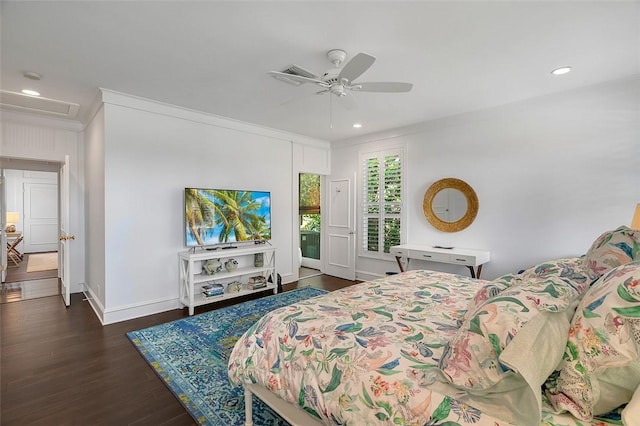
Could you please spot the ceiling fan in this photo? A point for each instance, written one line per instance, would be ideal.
(339, 81)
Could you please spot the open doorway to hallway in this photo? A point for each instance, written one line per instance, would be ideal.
(31, 201)
(310, 228)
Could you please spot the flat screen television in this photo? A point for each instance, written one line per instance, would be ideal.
(220, 216)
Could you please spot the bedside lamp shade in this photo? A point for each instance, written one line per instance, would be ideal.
(12, 219)
(635, 222)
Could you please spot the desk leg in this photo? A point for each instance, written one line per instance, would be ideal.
(399, 263)
(473, 272)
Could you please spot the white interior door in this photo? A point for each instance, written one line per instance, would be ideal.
(65, 239)
(40, 217)
(341, 236)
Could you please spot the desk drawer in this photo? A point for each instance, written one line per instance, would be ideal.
(399, 252)
(463, 259)
(430, 255)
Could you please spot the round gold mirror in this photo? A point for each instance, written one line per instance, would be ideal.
(450, 205)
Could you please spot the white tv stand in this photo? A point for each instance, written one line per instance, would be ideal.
(192, 279)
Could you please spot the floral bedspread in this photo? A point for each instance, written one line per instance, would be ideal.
(355, 356)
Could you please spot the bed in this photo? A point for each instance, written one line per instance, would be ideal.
(430, 348)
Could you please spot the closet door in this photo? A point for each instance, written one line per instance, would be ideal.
(40, 217)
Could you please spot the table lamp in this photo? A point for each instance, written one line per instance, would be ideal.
(12, 219)
(635, 222)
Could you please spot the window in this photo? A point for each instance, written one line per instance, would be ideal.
(382, 209)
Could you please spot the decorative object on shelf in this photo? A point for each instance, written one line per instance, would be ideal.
(258, 260)
(257, 282)
(212, 266)
(231, 265)
(450, 205)
(234, 286)
(212, 290)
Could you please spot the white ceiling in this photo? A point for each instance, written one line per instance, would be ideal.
(214, 56)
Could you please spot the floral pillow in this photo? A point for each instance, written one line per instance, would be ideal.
(472, 357)
(612, 249)
(572, 270)
(601, 364)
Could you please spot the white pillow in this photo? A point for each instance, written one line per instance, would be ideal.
(631, 413)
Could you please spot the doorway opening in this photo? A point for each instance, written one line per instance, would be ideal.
(309, 188)
(30, 198)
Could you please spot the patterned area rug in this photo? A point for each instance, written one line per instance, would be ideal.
(190, 355)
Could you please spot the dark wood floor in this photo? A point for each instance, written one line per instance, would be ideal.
(19, 272)
(60, 366)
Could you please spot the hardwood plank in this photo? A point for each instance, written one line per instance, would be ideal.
(60, 366)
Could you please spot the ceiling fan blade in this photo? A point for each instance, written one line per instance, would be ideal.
(283, 75)
(356, 66)
(387, 87)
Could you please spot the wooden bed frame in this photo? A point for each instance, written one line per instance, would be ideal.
(290, 412)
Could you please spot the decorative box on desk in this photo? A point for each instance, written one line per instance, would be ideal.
(471, 258)
(193, 278)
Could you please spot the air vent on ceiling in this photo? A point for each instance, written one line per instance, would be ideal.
(18, 101)
(294, 70)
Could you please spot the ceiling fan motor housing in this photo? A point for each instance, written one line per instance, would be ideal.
(331, 76)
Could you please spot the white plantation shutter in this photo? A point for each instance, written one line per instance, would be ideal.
(381, 202)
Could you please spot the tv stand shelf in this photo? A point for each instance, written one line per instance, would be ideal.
(192, 277)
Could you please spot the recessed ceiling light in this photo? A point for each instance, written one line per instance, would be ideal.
(30, 92)
(357, 125)
(561, 70)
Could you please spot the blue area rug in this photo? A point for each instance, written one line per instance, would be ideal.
(190, 355)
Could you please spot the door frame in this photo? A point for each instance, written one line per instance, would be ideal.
(44, 166)
(4, 261)
(305, 261)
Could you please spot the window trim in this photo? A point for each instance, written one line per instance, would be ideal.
(381, 153)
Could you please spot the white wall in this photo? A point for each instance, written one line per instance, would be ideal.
(149, 152)
(94, 208)
(551, 174)
(44, 142)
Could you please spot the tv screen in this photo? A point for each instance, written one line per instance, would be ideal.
(218, 216)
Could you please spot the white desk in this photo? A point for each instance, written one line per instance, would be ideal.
(471, 258)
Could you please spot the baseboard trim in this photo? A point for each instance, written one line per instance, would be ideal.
(137, 310)
(367, 276)
(95, 304)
